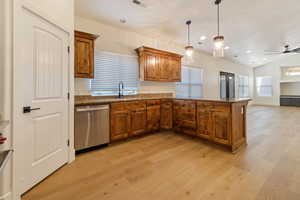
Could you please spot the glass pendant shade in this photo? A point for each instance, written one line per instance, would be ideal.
(218, 46)
(189, 50)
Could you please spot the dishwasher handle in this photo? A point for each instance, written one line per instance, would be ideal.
(87, 109)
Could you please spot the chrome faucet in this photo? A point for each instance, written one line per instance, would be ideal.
(121, 89)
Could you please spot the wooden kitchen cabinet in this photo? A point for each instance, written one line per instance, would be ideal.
(84, 55)
(153, 115)
(185, 116)
(204, 124)
(221, 123)
(157, 65)
(138, 122)
(166, 116)
(120, 122)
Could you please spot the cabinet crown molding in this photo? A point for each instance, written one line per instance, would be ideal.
(86, 35)
(156, 51)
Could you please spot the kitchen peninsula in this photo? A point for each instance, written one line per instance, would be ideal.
(222, 121)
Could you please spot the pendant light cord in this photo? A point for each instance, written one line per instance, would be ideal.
(189, 35)
(218, 19)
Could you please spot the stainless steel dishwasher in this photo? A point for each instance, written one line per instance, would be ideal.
(91, 126)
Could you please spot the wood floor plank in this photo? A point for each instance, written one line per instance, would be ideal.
(168, 166)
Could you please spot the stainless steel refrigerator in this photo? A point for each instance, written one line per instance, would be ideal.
(227, 85)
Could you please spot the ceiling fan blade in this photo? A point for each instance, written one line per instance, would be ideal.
(296, 50)
(273, 53)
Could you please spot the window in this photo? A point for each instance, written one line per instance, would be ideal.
(110, 69)
(243, 86)
(191, 84)
(264, 86)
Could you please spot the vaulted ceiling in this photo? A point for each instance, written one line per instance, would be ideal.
(250, 26)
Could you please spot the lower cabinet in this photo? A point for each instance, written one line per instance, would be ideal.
(204, 124)
(138, 122)
(166, 116)
(120, 125)
(153, 118)
(214, 122)
(185, 116)
(221, 123)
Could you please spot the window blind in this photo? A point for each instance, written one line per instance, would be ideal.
(111, 68)
(191, 84)
(264, 86)
(243, 86)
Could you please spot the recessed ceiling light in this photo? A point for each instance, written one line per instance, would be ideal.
(203, 37)
(227, 47)
(265, 59)
(248, 51)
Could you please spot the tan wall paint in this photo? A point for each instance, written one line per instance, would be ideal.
(123, 41)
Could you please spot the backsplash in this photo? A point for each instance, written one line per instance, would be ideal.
(82, 87)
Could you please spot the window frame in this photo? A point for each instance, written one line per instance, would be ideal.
(258, 87)
(189, 84)
(239, 86)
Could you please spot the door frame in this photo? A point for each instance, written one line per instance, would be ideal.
(17, 6)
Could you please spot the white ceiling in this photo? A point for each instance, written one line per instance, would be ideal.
(248, 25)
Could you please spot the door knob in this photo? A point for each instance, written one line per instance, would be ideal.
(28, 109)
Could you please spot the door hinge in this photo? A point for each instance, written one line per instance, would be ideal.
(68, 95)
(68, 49)
(68, 143)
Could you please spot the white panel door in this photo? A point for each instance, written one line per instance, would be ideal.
(42, 84)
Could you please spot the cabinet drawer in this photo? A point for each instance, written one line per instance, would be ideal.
(221, 107)
(204, 106)
(136, 105)
(153, 102)
(116, 107)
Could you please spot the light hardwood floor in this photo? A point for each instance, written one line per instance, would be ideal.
(168, 166)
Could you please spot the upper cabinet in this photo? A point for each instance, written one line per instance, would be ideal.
(157, 65)
(84, 54)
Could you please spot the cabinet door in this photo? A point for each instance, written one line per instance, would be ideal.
(84, 58)
(120, 125)
(138, 122)
(165, 68)
(221, 127)
(175, 65)
(166, 118)
(153, 118)
(204, 124)
(151, 67)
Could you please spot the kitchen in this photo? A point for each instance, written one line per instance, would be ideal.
(147, 104)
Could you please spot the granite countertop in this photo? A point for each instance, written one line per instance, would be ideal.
(95, 101)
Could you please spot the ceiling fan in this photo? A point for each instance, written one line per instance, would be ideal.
(287, 50)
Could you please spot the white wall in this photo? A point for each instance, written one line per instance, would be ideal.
(116, 40)
(274, 69)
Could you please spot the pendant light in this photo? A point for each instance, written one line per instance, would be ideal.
(189, 49)
(219, 39)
